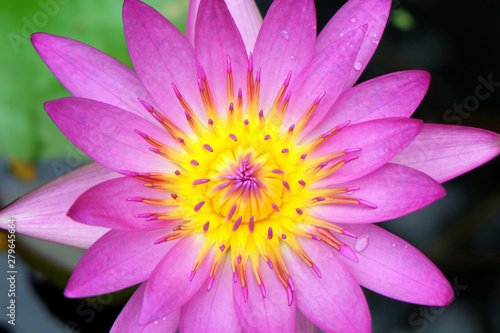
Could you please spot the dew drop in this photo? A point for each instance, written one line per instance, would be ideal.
(393, 244)
(314, 27)
(353, 20)
(341, 34)
(292, 57)
(375, 35)
(285, 34)
(155, 322)
(362, 242)
(406, 246)
(376, 42)
(358, 65)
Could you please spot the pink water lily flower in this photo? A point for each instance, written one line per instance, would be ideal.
(239, 172)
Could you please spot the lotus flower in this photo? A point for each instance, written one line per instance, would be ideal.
(239, 172)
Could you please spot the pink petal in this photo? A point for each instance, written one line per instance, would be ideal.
(128, 320)
(245, 13)
(353, 14)
(379, 140)
(390, 266)
(445, 151)
(42, 212)
(392, 95)
(327, 73)
(396, 190)
(106, 205)
(89, 73)
(259, 314)
(118, 260)
(212, 311)
(161, 56)
(334, 302)
(285, 43)
(304, 325)
(169, 286)
(217, 38)
(106, 134)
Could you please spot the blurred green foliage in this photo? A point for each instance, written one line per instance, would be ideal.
(26, 132)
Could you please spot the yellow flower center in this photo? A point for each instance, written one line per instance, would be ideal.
(245, 182)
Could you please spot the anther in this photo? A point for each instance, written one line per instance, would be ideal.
(210, 283)
(270, 233)
(232, 136)
(207, 147)
(237, 223)
(267, 137)
(299, 211)
(200, 181)
(251, 225)
(367, 203)
(285, 150)
(206, 225)
(290, 283)
(194, 162)
(135, 199)
(231, 212)
(348, 233)
(276, 209)
(285, 184)
(262, 290)
(198, 206)
(316, 270)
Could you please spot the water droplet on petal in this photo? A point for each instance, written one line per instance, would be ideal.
(358, 65)
(393, 244)
(362, 242)
(375, 42)
(341, 34)
(353, 20)
(406, 246)
(314, 27)
(292, 57)
(155, 322)
(285, 34)
(375, 35)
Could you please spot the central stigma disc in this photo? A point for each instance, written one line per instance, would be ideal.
(245, 183)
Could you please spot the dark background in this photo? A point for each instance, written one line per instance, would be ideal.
(456, 41)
